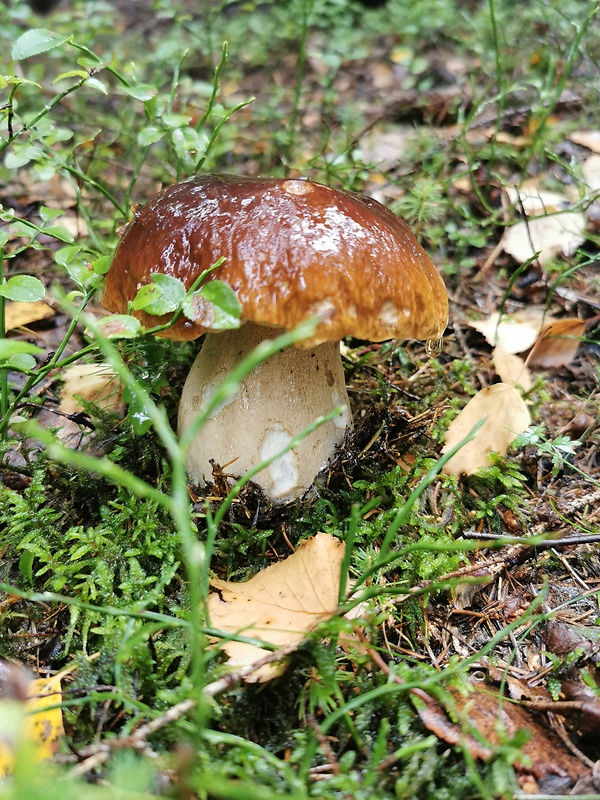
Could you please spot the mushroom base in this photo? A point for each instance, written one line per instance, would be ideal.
(276, 402)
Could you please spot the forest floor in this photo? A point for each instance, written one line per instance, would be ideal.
(466, 664)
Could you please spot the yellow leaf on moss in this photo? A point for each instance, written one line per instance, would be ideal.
(31, 726)
(280, 604)
(44, 724)
(505, 416)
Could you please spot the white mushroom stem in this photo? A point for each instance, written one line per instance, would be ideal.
(276, 402)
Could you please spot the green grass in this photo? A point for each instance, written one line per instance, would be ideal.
(106, 559)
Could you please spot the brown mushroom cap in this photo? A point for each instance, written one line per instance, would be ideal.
(294, 249)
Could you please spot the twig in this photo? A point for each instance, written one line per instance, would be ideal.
(543, 544)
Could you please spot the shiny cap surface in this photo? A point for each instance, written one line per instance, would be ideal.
(293, 250)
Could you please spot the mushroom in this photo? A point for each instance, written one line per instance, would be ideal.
(293, 250)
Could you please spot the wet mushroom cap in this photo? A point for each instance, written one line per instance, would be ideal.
(293, 250)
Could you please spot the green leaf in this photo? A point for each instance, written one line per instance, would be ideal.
(32, 43)
(23, 289)
(60, 233)
(119, 326)
(94, 83)
(136, 414)
(149, 135)
(101, 265)
(26, 566)
(223, 306)
(22, 362)
(164, 295)
(74, 73)
(12, 347)
(21, 154)
(48, 214)
(172, 121)
(140, 92)
(65, 255)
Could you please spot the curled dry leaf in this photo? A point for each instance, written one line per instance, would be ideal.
(280, 604)
(511, 368)
(505, 416)
(557, 344)
(515, 332)
(552, 227)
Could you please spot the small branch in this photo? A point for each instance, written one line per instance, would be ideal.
(543, 544)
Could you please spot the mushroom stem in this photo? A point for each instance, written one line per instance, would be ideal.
(276, 402)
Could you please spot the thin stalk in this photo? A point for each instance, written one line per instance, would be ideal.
(498, 61)
(46, 110)
(217, 129)
(215, 88)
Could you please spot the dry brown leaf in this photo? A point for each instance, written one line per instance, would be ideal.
(589, 139)
(94, 382)
(279, 605)
(514, 332)
(488, 714)
(552, 226)
(19, 314)
(506, 416)
(557, 344)
(535, 202)
(511, 368)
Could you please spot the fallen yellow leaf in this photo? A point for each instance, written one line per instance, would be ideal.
(19, 314)
(44, 724)
(94, 382)
(516, 332)
(33, 724)
(279, 605)
(511, 368)
(552, 226)
(505, 416)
